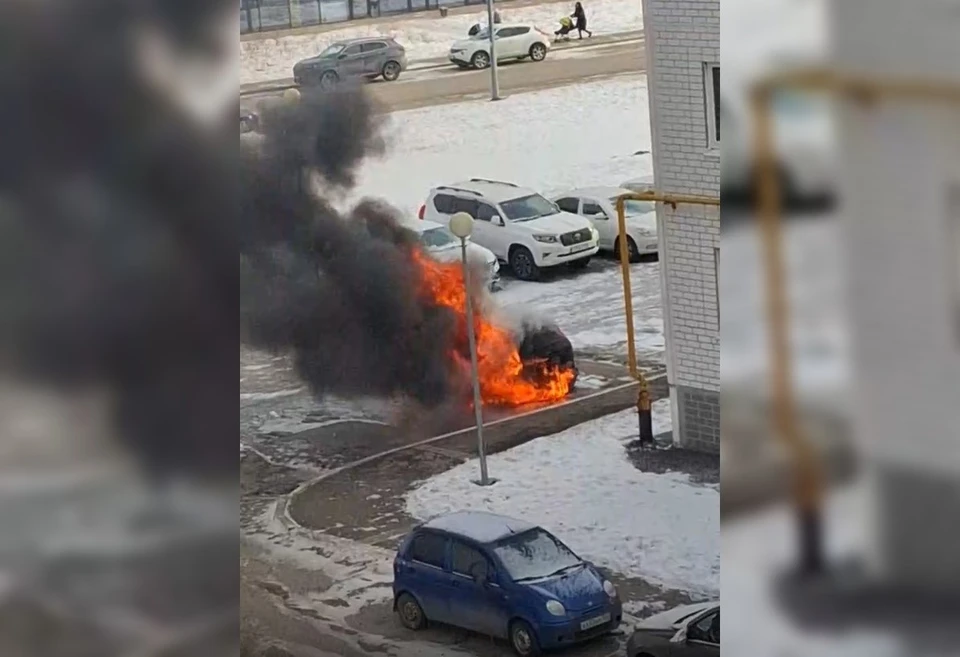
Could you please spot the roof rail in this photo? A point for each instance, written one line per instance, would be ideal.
(493, 182)
(451, 188)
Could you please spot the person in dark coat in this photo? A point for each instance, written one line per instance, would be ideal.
(581, 17)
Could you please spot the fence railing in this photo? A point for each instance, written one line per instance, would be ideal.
(268, 15)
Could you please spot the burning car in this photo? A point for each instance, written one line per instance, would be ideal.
(546, 344)
(534, 365)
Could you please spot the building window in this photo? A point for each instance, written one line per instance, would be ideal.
(711, 89)
(953, 252)
(716, 279)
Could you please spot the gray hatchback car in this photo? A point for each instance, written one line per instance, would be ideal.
(369, 58)
(686, 631)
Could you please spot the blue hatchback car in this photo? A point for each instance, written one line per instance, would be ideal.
(501, 577)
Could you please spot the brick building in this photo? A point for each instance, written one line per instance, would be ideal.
(683, 64)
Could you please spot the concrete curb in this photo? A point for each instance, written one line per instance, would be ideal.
(756, 470)
(747, 490)
(287, 500)
(436, 63)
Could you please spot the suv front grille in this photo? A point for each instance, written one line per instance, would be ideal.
(579, 237)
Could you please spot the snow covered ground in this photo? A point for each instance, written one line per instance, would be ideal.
(758, 29)
(424, 37)
(552, 140)
(589, 308)
(758, 548)
(818, 328)
(580, 485)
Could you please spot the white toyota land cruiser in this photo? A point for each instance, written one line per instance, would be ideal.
(523, 228)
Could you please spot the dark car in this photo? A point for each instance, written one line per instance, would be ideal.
(369, 58)
(504, 578)
(687, 631)
(546, 343)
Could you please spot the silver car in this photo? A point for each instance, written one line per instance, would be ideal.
(686, 631)
(369, 58)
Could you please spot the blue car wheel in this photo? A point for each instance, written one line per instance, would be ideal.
(523, 639)
(411, 614)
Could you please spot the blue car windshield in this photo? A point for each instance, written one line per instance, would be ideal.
(534, 554)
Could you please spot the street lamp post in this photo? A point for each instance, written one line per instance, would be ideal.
(461, 225)
(494, 74)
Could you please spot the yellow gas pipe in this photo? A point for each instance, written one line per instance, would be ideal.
(643, 396)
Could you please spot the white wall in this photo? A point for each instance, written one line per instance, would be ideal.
(900, 161)
(682, 37)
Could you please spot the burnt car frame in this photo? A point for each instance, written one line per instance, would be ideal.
(547, 344)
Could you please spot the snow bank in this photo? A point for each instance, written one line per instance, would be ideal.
(424, 37)
(580, 485)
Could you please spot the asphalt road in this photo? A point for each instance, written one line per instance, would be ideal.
(450, 84)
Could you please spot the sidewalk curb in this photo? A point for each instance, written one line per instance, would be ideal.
(287, 500)
(757, 470)
(746, 491)
(436, 63)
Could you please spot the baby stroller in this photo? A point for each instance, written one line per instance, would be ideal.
(566, 27)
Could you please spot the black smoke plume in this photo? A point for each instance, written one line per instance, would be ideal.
(120, 216)
(118, 225)
(338, 290)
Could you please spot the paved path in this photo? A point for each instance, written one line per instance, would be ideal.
(291, 610)
(318, 436)
(420, 68)
(449, 84)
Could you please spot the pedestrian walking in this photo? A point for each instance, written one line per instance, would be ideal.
(580, 16)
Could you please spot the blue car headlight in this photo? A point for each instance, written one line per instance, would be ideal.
(610, 589)
(555, 608)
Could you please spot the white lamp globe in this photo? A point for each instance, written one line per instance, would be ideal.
(291, 96)
(461, 225)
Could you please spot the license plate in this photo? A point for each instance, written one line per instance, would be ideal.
(595, 622)
(581, 248)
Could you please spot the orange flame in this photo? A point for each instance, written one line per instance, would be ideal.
(503, 379)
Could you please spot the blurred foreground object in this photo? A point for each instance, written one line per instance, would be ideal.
(899, 121)
(118, 302)
(792, 36)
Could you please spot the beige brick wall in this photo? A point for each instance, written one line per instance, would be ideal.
(683, 38)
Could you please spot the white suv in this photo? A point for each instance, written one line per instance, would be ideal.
(521, 227)
(512, 42)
